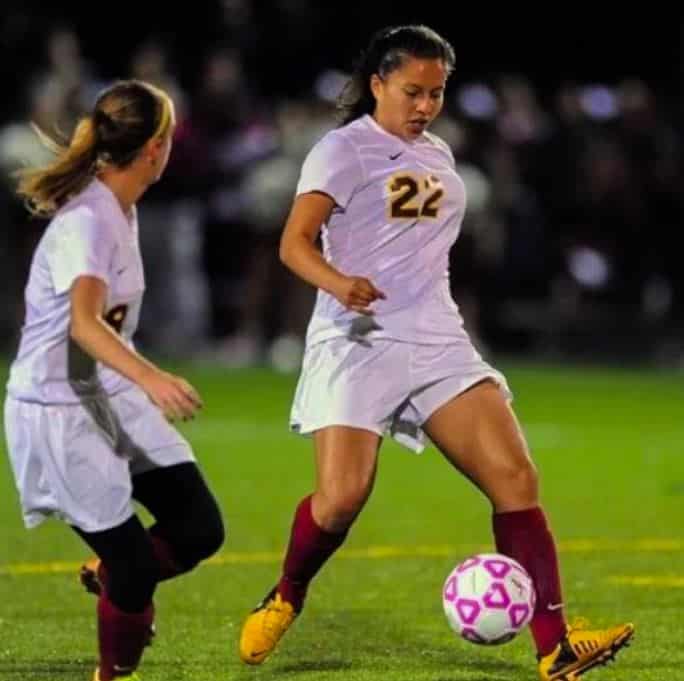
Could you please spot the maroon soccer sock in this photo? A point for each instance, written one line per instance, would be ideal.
(310, 546)
(122, 638)
(525, 537)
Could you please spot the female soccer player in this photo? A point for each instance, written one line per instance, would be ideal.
(85, 413)
(386, 350)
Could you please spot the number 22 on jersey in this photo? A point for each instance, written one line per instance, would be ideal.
(414, 196)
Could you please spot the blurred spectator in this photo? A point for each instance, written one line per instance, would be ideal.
(228, 131)
(150, 62)
(68, 85)
(278, 304)
(176, 317)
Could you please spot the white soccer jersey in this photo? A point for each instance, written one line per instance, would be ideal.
(399, 210)
(90, 235)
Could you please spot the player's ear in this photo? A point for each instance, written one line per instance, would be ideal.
(152, 149)
(376, 85)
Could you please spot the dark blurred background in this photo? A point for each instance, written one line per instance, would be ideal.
(566, 126)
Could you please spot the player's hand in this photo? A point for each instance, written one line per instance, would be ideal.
(172, 394)
(357, 293)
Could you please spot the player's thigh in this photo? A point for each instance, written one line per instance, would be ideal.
(479, 434)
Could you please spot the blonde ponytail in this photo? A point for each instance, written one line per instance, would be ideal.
(47, 188)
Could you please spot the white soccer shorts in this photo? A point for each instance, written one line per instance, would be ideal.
(384, 386)
(70, 463)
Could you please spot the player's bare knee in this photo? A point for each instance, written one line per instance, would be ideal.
(346, 508)
(523, 483)
(514, 486)
(341, 507)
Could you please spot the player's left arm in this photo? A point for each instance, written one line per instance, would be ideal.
(88, 328)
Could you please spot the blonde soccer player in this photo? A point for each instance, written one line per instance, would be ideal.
(86, 415)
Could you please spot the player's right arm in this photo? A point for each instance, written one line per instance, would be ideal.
(299, 253)
(330, 173)
(88, 328)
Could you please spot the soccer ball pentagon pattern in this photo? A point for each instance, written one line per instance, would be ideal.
(488, 599)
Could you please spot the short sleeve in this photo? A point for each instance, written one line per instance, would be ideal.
(79, 245)
(332, 167)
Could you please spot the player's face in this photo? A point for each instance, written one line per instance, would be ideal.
(409, 98)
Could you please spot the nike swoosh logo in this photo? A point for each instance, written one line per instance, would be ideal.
(256, 653)
(394, 157)
(121, 271)
(125, 670)
(555, 606)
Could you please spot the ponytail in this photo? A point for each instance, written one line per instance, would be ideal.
(47, 188)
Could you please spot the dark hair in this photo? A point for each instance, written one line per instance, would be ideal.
(125, 116)
(387, 51)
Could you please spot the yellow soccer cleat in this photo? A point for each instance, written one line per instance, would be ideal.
(264, 627)
(127, 677)
(581, 650)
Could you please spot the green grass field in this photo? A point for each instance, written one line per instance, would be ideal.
(610, 448)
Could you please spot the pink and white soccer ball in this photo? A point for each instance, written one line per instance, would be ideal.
(488, 599)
